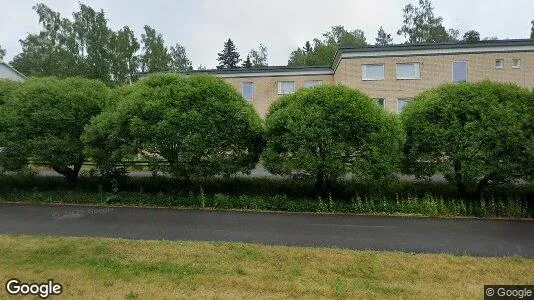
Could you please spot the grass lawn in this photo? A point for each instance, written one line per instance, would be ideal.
(99, 268)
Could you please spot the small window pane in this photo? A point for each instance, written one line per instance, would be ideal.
(312, 83)
(408, 71)
(401, 103)
(248, 90)
(459, 71)
(380, 102)
(516, 63)
(372, 72)
(286, 87)
(499, 64)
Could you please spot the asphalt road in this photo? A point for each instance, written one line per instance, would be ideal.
(456, 236)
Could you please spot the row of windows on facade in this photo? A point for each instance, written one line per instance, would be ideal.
(284, 87)
(413, 70)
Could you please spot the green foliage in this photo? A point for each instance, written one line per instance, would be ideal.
(124, 61)
(532, 30)
(258, 56)
(155, 57)
(188, 126)
(2, 53)
(247, 63)
(179, 60)
(421, 26)
(383, 38)
(84, 46)
(323, 51)
(229, 57)
(45, 118)
(476, 134)
(327, 132)
(10, 156)
(471, 36)
(267, 194)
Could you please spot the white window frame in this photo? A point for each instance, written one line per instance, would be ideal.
(243, 90)
(409, 78)
(402, 99)
(466, 71)
(383, 105)
(502, 63)
(280, 87)
(314, 83)
(516, 66)
(364, 70)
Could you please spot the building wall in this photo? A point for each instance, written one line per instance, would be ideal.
(266, 88)
(434, 70)
(8, 73)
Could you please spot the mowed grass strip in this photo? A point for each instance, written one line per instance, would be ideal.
(102, 268)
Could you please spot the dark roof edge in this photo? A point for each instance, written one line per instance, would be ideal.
(348, 49)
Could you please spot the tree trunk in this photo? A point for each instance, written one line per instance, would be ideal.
(322, 186)
(70, 174)
(458, 179)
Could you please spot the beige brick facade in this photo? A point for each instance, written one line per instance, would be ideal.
(266, 88)
(435, 68)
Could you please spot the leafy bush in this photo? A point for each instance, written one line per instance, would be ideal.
(10, 158)
(327, 132)
(188, 126)
(45, 118)
(476, 134)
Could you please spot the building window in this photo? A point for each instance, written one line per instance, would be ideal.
(286, 87)
(401, 103)
(380, 102)
(459, 71)
(516, 63)
(312, 83)
(499, 63)
(373, 72)
(247, 89)
(408, 71)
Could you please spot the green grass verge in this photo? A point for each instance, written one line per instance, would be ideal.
(98, 268)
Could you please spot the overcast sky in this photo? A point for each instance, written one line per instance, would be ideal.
(202, 26)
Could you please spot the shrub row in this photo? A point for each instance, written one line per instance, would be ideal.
(476, 134)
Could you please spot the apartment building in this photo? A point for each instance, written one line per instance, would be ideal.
(392, 75)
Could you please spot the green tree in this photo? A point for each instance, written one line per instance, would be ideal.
(532, 30)
(471, 36)
(327, 132)
(420, 25)
(179, 60)
(229, 57)
(201, 67)
(197, 124)
(45, 118)
(247, 63)
(258, 56)
(53, 51)
(84, 46)
(383, 38)
(93, 40)
(155, 56)
(124, 61)
(2, 53)
(308, 47)
(323, 50)
(475, 134)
